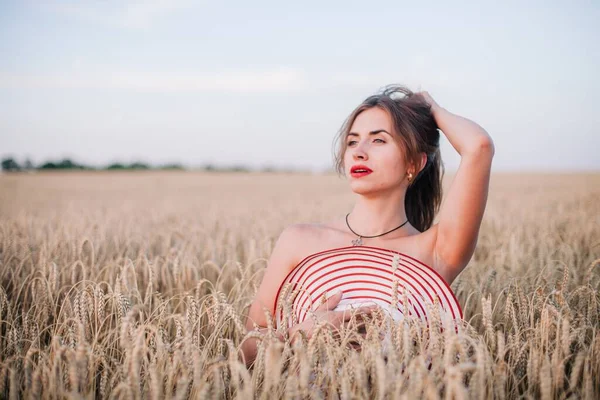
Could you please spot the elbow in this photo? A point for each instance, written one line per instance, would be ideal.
(487, 146)
(484, 147)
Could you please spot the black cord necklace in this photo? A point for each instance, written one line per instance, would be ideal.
(358, 242)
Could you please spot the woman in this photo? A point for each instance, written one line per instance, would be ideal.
(386, 251)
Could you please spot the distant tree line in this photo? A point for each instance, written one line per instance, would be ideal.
(9, 164)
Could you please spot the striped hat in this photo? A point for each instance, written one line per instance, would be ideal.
(367, 275)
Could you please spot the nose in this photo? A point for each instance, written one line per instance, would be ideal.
(359, 152)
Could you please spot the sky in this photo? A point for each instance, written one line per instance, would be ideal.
(270, 83)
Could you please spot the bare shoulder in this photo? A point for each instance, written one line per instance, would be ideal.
(295, 237)
(299, 230)
(416, 244)
(306, 238)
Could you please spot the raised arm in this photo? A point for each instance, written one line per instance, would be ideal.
(462, 210)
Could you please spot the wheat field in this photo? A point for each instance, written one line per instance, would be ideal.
(137, 285)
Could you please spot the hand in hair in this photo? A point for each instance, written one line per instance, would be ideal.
(434, 106)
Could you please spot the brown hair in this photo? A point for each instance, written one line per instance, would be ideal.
(416, 131)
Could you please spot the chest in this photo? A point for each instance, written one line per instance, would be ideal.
(397, 281)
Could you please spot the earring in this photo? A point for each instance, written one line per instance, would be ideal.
(409, 177)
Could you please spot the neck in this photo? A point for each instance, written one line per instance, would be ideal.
(378, 214)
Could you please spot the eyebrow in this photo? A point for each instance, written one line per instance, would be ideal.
(375, 132)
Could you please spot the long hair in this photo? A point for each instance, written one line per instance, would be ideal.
(416, 131)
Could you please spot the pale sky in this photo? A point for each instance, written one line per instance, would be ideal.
(270, 83)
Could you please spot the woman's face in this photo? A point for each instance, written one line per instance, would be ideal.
(377, 151)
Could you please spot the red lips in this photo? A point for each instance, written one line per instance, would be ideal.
(357, 168)
(360, 170)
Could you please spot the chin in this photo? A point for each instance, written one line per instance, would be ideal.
(362, 188)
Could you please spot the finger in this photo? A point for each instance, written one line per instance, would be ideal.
(356, 314)
(367, 312)
(357, 325)
(368, 309)
(331, 302)
(346, 315)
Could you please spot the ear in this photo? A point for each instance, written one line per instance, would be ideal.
(422, 163)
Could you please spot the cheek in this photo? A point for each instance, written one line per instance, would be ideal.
(395, 168)
(392, 160)
(347, 159)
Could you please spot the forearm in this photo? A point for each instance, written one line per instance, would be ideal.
(466, 136)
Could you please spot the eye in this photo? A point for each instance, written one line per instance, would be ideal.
(354, 141)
